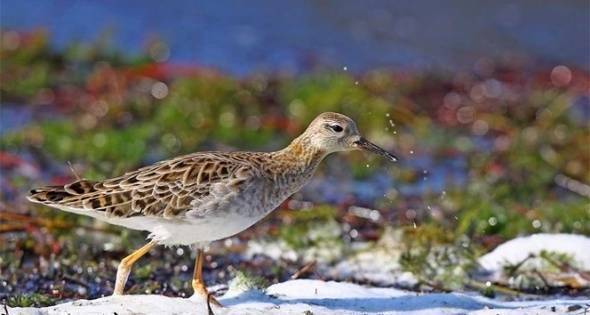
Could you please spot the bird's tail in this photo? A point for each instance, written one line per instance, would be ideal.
(68, 195)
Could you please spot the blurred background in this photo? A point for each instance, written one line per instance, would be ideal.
(487, 104)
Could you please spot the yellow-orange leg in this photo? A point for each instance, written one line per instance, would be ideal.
(198, 283)
(125, 267)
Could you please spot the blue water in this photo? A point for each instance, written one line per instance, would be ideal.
(244, 36)
(13, 117)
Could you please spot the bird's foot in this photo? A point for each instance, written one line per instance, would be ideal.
(200, 290)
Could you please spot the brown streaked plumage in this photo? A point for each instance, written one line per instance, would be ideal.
(205, 196)
(166, 189)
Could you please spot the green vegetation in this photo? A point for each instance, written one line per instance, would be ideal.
(248, 281)
(437, 258)
(29, 300)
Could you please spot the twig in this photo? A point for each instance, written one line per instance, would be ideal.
(306, 268)
(562, 266)
(499, 288)
(78, 281)
(540, 275)
(572, 185)
(513, 268)
(566, 267)
(73, 171)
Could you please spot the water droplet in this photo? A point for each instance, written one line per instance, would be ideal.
(561, 75)
(492, 221)
(159, 90)
(345, 68)
(374, 215)
(82, 290)
(108, 246)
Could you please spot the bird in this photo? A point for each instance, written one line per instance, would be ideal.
(202, 197)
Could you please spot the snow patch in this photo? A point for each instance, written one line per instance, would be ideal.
(316, 296)
(518, 249)
(377, 265)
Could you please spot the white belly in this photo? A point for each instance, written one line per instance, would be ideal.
(179, 232)
(175, 232)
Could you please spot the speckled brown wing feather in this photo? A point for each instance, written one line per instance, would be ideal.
(168, 188)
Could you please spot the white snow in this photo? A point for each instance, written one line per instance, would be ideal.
(316, 296)
(518, 249)
(320, 297)
(376, 264)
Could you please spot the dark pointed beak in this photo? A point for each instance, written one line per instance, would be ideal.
(366, 145)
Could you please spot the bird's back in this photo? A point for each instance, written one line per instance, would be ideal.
(167, 189)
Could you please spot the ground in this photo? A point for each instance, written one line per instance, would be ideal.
(330, 297)
(317, 297)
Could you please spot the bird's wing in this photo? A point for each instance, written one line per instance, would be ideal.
(167, 189)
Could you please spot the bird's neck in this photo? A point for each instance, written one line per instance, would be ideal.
(301, 155)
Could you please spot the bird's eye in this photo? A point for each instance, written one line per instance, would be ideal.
(336, 128)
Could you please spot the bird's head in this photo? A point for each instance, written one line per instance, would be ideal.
(333, 132)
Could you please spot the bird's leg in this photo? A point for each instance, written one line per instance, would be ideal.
(198, 283)
(125, 267)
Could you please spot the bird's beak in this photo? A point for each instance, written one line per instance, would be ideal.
(366, 145)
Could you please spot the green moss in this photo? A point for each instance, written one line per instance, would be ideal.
(296, 234)
(247, 281)
(314, 233)
(30, 300)
(438, 258)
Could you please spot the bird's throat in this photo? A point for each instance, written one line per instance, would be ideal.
(302, 155)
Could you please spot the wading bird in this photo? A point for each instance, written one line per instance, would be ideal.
(205, 196)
